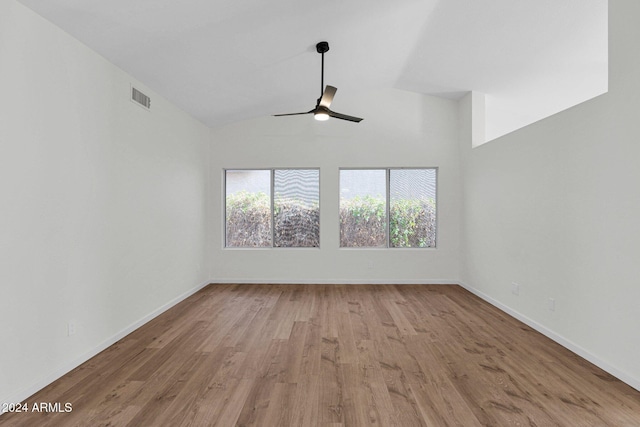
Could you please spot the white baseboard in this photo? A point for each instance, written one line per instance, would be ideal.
(568, 344)
(23, 394)
(254, 281)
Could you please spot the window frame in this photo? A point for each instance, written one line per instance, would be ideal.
(272, 171)
(388, 207)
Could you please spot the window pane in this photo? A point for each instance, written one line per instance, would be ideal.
(412, 208)
(248, 208)
(363, 208)
(296, 206)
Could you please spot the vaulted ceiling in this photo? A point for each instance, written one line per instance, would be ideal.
(228, 60)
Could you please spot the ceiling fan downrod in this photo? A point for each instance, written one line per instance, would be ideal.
(321, 48)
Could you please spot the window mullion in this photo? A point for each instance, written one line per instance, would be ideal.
(224, 201)
(273, 213)
(388, 207)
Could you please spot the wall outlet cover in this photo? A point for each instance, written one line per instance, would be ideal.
(515, 288)
(71, 328)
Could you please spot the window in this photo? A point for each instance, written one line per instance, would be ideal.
(272, 208)
(363, 211)
(412, 208)
(393, 208)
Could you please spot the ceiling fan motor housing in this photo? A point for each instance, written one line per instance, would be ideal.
(322, 47)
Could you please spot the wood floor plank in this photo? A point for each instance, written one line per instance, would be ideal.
(372, 383)
(327, 317)
(280, 409)
(338, 356)
(234, 404)
(304, 412)
(311, 352)
(358, 320)
(115, 407)
(154, 409)
(356, 408)
(210, 411)
(265, 366)
(399, 319)
(346, 349)
(331, 393)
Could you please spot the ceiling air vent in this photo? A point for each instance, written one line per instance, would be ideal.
(140, 98)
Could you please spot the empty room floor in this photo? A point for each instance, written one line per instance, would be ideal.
(335, 355)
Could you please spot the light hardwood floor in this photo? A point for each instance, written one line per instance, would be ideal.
(335, 355)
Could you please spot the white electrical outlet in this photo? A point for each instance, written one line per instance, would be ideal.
(71, 328)
(515, 288)
(551, 304)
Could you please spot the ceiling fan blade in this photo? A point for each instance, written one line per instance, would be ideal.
(293, 114)
(327, 96)
(344, 117)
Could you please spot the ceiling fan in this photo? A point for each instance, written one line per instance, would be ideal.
(321, 111)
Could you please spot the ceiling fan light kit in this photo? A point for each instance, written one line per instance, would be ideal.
(321, 112)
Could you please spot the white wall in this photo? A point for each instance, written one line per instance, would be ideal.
(400, 129)
(102, 204)
(555, 207)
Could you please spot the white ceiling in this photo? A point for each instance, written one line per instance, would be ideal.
(228, 60)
